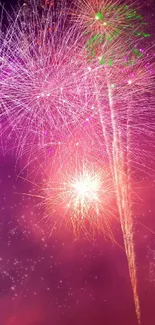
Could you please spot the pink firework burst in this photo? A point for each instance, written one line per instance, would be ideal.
(45, 84)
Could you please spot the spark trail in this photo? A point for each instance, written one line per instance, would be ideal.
(121, 178)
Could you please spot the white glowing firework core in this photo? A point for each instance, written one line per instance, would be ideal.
(87, 187)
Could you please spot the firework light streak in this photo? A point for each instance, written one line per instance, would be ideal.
(121, 178)
(124, 203)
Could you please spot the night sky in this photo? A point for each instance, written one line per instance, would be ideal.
(63, 281)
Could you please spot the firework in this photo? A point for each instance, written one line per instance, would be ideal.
(107, 26)
(77, 188)
(45, 83)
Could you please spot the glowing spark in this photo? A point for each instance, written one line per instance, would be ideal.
(99, 16)
(86, 191)
(83, 194)
(80, 192)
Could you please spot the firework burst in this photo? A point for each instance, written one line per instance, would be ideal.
(45, 84)
(77, 187)
(107, 26)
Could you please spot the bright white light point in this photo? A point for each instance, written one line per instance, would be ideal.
(104, 23)
(87, 187)
(77, 143)
(48, 95)
(89, 68)
(129, 82)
